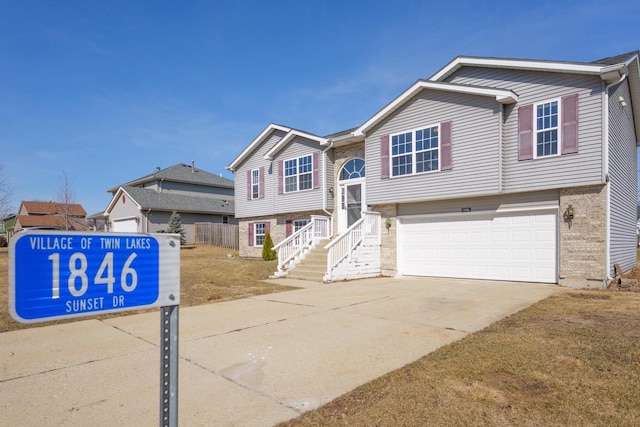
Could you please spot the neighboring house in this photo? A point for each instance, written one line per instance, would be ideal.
(500, 169)
(51, 215)
(145, 205)
(7, 229)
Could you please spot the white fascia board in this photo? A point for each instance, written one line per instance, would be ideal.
(257, 141)
(347, 139)
(502, 96)
(115, 199)
(568, 67)
(288, 138)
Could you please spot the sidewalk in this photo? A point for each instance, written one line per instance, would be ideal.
(250, 362)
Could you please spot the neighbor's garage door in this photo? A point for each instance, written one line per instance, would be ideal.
(125, 226)
(519, 247)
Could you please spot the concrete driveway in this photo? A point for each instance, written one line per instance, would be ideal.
(250, 362)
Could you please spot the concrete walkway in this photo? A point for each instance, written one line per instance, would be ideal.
(250, 362)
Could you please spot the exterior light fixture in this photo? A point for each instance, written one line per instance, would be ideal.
(568, 215)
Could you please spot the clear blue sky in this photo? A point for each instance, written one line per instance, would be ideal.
(108, 90)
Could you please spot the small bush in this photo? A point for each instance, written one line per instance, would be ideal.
(268, 254)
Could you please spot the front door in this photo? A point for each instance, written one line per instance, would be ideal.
(351, 203)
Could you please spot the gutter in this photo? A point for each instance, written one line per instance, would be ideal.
(605, 168)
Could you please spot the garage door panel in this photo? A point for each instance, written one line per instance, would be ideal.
(520, 246)
(125, 226)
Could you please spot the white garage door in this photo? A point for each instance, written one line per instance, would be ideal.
(125, 226)
(518, 247)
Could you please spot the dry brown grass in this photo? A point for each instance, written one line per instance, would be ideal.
(572, 359)
(207, 274)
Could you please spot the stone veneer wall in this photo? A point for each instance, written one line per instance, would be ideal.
(388, 249)
(583, 240)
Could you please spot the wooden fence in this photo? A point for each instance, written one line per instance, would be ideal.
(215, 234)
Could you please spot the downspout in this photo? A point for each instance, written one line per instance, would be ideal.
(605, 109)
(500, 143)
(324, 185)
(146, 220)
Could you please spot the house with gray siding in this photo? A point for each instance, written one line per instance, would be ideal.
(498, 169)
(145, 205)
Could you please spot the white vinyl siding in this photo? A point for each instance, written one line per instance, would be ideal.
(298, 201)
(262, 206)
(475, 122)
(623, 192)
(584, 168)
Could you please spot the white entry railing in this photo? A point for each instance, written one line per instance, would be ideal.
(319, 228)
(365, 231)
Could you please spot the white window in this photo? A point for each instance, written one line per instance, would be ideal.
(298, 174)
(259, 230)
(416, 151)
(255, 183)
(225, 219)
(547, 130)
(300, 223)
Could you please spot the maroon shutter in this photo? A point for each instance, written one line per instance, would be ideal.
(250, 234)
(384, 156)
(261, 180)
(569, 135)
(525, 132)
(316, 169)
(445, 146)
(280, 177)
(249, 184)
(289, 228)
(267, 227)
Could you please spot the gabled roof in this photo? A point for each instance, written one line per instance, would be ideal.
(181, 172)
(146, 198)
(51, 208)
(611, 70)
(255, 143)
(517, 64)
(501, 95)
(612, 60)
(289, 137)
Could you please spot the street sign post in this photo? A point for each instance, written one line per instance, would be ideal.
(60, 275)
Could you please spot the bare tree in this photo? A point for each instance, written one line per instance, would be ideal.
(66, 197)
(6, 194)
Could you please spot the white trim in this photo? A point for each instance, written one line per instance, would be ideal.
(297, 174)
(501, 95)
(255, 233)
(258, 184)
(522, 64)
(288, 138)
(115, 199)
(500, 211)
(257, 141)
(342, 209)
(414, 151)
(536, 130)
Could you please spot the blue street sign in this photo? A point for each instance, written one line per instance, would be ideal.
(57, 275)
